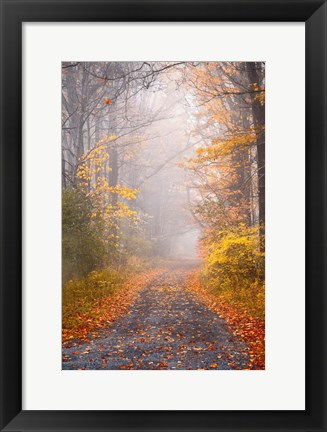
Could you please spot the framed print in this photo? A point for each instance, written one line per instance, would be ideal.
(148, 199)
(163, 215)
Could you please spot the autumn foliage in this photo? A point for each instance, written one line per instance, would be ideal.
(238, 316)
(92, 303)
(234, 268)
(228, 173)
(133, 187)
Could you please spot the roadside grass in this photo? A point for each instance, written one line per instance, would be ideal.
(243, 310)
(79, 295)
(248, 299)
(92, 302)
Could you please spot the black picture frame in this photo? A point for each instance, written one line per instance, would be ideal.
(13, 14)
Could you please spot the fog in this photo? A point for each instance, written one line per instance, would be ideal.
(164, 186)
(163, 150)
(150, 117)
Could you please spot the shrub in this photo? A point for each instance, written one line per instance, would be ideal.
(79, 295)
(234, 267)
(83, 249)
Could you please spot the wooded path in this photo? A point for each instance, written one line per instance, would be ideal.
(166, 327)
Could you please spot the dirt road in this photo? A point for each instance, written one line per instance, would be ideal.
(166, 327)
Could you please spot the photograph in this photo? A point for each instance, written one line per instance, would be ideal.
(163, 215)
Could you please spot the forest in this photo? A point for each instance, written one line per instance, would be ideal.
(163, 215)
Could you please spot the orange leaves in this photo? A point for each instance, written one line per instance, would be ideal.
(108, 309)
(107, 101)
(162, 365)
(244, 326)
(128, 366)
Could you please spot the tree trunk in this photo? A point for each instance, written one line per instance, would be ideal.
(113, 182)
(113, 174)
(63, 169)
(258, 113)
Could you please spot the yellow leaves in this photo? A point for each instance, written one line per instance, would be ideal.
(261, 98)
(221, 148)
(234, 267)
(108, 201)
(124, 192)
(237, 315)
(99, 298)
(255, 87)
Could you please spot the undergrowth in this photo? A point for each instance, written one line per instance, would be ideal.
(79, 295)
(234, 269)
(82, 296)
